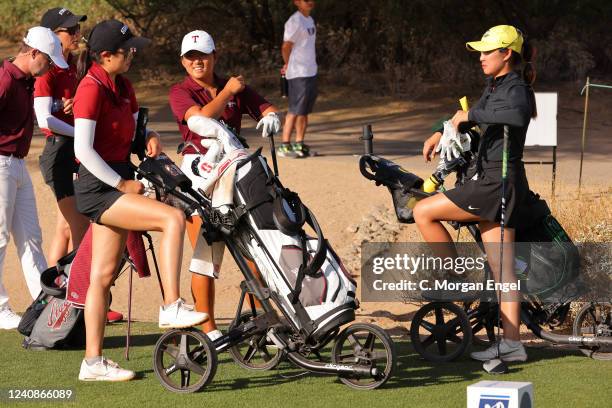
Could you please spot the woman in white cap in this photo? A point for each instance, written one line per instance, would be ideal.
(105, 111)
(203, 94)
(508, 100)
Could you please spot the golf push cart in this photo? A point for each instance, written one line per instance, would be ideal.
(444, 330)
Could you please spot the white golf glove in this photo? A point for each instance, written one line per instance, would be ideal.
(452, 143)
(269, 124)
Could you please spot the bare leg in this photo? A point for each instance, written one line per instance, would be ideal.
(509, 301)
(288, 128)
(429, 212)
(202, 287)
(108, 244)
(203, 292)
(301, 123)
(69, 230)
(78, 222)
(138, 213)
(60, 244)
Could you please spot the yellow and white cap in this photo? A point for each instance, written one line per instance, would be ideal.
(501, 36)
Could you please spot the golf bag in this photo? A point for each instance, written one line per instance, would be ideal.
(51, 321)
(56, 318)
(552, 258)
(304, 273)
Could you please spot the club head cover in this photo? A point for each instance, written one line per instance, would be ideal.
(495, 366)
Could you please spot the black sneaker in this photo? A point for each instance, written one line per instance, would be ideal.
(286, 150)
(301, 149)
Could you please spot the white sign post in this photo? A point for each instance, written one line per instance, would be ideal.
(500, 394)
(542, 130)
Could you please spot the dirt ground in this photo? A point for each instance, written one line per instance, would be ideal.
(333, 188)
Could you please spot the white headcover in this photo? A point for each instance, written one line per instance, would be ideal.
(223, 147)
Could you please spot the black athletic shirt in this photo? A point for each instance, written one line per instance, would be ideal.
(505, 101)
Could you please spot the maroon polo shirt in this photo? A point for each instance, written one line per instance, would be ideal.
(16, 111)
(112, 105)
(58, 83)
(188, 93)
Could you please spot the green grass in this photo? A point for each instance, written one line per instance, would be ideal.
(561, 378)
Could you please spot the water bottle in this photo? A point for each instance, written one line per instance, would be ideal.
(57, 105)
(284, 86)
(429, 186)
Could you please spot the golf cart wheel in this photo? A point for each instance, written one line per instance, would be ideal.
(482, 318)
(440, 332)
(255, 352)
(594, 320)
(184, 360)
(368, 345)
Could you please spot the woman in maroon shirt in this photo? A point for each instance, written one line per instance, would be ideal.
(105, 111)
(53, 96)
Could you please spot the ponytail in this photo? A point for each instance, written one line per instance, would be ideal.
(84, 62)
(528, 73)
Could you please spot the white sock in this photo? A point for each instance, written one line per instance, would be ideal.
(93, 360)
(512, 343)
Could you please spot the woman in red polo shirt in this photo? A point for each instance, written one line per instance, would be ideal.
(105, 110)
(53, 97)
(204, 94)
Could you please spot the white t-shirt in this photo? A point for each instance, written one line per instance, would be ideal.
(302, 32)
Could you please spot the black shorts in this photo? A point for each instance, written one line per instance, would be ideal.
(58, 165)
(93, 196)
(302, 94)
(482, 197)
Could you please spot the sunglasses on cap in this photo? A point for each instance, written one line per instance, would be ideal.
(127, 53)
(70, 30)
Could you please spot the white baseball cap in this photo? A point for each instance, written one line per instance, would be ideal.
(45, 41)
(197, 40)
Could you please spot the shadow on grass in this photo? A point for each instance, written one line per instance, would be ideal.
(136, 340)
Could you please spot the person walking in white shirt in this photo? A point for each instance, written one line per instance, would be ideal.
(300, 69)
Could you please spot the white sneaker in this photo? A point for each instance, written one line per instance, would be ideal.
(214, 334)
(104, 370)
(8, 319)
(506, 352)
(180, 315)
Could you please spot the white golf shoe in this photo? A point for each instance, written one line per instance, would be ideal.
(180, 315)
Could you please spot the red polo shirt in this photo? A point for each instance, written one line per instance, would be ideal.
(58, 83)
(188, 93)
(16, 111)
(111, 105)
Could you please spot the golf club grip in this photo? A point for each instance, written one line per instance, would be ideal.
(367, 138)
(273, 152)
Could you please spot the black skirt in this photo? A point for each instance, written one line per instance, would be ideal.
(482, 197)
(93, 196)
(58, 165)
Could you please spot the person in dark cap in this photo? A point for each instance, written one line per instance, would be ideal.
(53, 97)
(105, 112)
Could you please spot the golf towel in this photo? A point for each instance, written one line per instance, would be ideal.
(78, 281)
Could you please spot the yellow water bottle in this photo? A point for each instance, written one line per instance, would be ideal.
(432, 183)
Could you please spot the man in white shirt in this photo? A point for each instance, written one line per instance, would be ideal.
(300, 69)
